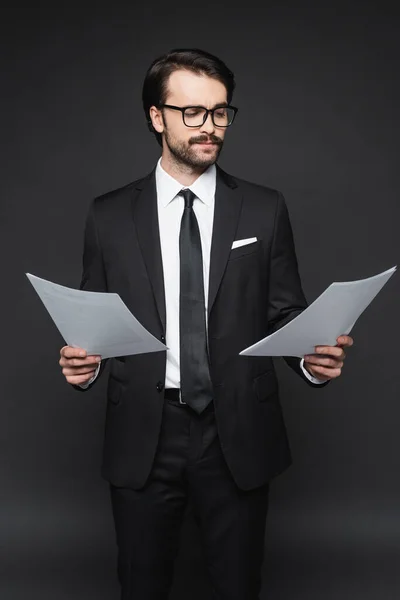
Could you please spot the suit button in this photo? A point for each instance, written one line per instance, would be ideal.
(160, 386)
(163, 339)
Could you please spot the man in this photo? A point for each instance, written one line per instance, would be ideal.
(207, 264)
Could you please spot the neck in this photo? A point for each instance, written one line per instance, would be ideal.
(185, 174)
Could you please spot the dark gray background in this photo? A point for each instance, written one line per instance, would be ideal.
(318, 92)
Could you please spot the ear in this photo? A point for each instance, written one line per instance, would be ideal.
(156, 119)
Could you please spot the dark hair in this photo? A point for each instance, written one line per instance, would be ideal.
(198, 61)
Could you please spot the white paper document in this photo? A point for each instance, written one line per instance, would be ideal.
(98, 322)
(332, 314)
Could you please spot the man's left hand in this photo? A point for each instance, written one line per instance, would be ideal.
(327, 362)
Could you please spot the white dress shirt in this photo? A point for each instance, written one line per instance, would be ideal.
(170, 210)
(170, 205)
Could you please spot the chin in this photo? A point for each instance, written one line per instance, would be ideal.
(205, 158)
(204, 161)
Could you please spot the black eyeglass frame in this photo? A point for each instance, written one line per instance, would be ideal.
(208, 110)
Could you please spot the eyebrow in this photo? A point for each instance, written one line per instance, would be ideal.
(219, 105)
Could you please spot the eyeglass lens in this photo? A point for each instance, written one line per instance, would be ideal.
(195, 116)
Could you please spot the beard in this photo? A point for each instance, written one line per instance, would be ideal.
(185, 153)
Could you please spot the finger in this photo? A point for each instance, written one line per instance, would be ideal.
(324, 361)
(79, 370)
(335, 351)
(78, 379)
(70, 352)
(79, 362)
(345, 340)
(326, 371)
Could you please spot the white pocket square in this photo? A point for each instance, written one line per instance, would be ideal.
(238, 243)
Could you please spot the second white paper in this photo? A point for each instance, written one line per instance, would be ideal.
(332, 314)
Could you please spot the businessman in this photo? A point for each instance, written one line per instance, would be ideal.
(207, 263)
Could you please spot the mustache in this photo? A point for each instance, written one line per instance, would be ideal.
(203, 138)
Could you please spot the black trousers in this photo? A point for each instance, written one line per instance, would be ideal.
(189, 464)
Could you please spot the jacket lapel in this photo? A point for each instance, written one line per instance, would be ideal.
(145, 216)
(228, 204)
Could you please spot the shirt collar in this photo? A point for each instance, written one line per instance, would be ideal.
(168, 187)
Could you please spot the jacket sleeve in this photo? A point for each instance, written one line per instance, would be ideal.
(93, 273)
(286, 296)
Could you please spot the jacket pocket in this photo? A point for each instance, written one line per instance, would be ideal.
(266, 385)
(245, 250)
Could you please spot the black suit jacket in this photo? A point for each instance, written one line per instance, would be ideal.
(253, 290)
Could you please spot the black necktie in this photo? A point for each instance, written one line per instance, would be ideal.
(196, 387)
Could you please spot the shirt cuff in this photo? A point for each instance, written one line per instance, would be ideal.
(84, 386)
(308, 375)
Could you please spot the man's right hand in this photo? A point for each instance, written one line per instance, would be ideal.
(77, 367)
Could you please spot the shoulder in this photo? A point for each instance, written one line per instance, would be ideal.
(253, 193)
(107, 203)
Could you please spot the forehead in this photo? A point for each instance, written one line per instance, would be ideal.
(186, 87)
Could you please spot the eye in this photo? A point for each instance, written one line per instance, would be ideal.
(193, 112)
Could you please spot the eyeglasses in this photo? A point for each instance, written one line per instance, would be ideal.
(196, 116)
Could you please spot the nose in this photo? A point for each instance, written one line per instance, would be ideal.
(208, 125)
